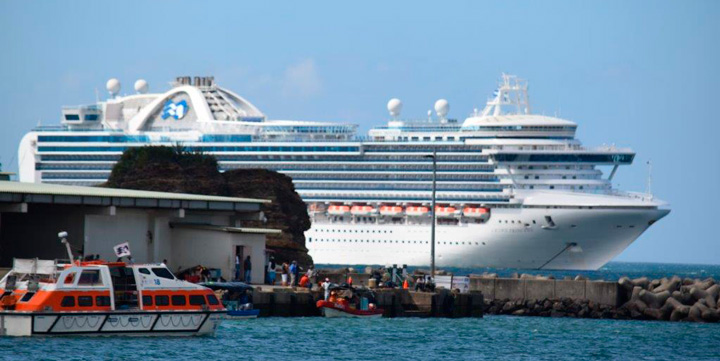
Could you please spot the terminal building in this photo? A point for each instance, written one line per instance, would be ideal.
(185, 230)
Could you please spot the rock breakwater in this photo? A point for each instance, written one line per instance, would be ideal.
(666, 299)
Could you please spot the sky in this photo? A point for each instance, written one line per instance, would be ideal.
(641, 74)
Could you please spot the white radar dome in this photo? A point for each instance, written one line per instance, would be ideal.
(394, 106)
(442, 107)
(141, 86)
(113, 86)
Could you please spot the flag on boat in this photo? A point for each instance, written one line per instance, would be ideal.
(122, 249)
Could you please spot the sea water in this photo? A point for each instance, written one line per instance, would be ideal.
(488, 338)
(315, 338)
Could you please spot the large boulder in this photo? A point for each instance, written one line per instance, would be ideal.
(173, 169)
(287, 211)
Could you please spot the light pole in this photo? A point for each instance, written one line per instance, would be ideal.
(432, 212)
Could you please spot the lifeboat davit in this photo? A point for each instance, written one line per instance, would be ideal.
(417, 211)
(362, 210)
(476, 212)
(316, 208)
(338, 210)
(391, 210)
(445, 211)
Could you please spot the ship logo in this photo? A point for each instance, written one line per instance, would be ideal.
(175, 110)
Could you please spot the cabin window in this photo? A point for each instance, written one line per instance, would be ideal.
(68, 301)
(102, 301)
(163, 273)
(147, 301)
(162, 301)
(197, 300)
(212, 299)
(144, 271)
(179, 300)
(90, 278)
(85, 301)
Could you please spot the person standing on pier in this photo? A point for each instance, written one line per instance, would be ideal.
(293, 273)
(285, 270)
(237, 266)
(271, 271)
(248, 268)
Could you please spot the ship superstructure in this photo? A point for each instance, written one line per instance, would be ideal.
(514, 189)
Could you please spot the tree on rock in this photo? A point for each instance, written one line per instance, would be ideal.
(167, 169)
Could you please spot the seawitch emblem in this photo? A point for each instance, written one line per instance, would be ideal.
(175, 110)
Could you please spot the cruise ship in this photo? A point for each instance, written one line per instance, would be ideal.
(513, 189)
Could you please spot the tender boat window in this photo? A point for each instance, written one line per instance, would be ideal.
(27, 296)
(85, 301)
(162, 301)
(179, 300)
(102, 301)
(163, 273)
(212, 299)
(147, 301)
(69, 279)
(68, 301)
(144, 271)
(197, 300)
(89, 278)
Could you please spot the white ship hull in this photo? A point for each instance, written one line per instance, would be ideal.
(513, 238)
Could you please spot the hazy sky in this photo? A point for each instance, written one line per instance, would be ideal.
(642, 74)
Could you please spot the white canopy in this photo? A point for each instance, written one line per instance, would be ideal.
(33, 266)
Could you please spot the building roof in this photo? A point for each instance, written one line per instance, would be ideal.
(211, 227)
(99, 196)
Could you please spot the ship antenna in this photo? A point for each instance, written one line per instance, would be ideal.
(649, 179)
(63, 239)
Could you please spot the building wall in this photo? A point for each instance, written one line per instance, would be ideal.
(162, 246)
(216, 249)
(34, 234)
(102, 232)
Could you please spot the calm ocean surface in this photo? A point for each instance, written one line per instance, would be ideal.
(491, 338)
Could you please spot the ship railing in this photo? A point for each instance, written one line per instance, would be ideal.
(65, 128)
(633, 195)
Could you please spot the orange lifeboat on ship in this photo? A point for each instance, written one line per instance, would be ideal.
(362, 210)
(417, 211)
(338, 210)
(445, 211)
(391, 210)
(476, 212)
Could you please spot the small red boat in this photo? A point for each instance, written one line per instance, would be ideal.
(347, 301)
(332, 309)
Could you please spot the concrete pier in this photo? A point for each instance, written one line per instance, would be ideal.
(537, 288)
(300, 302)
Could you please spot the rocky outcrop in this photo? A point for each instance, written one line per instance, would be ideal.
(172, 169)
(287, 210)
